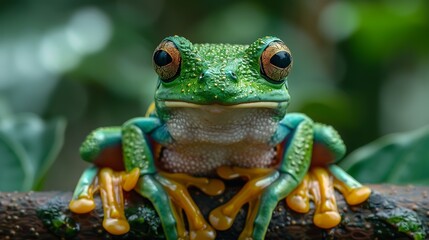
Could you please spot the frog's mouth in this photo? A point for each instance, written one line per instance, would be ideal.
(219, 107)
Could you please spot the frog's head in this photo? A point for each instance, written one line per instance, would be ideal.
(222, 76)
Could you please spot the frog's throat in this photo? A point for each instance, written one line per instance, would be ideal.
(179, 104)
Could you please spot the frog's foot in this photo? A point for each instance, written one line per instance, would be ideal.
(84, 203)
(176, 184)
(110, 184)
(259, 179)
(83, 197)
(352, 190)
(318, 186)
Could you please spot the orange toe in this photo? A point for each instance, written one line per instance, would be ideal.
(116, 226)
(327, 220)
(358, 195)
(82, 205)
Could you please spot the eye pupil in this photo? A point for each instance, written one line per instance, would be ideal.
(281, 59)
(162, 58)
(275, 62)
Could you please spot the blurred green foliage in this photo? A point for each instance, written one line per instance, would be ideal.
(362, 66)
(396, 158)
(28, 147)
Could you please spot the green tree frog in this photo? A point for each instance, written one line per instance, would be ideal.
(219, 113)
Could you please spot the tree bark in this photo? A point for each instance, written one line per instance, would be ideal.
(392, 212)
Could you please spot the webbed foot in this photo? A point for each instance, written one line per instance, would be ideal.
(167, 192)
(265, 187)
(176, 185)
(352, 190)
(223, 216)
(318, 186)
(110, 184)
(83, 197)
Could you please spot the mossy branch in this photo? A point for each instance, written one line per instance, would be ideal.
(392, 212)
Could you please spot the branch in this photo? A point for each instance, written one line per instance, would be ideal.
(392, 212)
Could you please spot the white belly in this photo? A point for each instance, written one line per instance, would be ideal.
(205, 139)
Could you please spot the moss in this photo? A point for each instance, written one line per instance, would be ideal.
(53, 217)
(144, 223)
(407, 222)
(404, 221)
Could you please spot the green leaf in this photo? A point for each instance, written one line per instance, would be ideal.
(37, 142)
(12, 162)
(398, 158)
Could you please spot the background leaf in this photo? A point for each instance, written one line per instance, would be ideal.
(29, 147)
(12, 162)
(398, 158)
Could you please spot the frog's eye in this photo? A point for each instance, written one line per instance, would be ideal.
(276, 61)
(166, 60)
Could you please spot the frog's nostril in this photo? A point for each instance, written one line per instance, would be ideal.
(232, 75)
(202, 75)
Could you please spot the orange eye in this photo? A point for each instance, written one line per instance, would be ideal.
(276, 61)
(166, 60)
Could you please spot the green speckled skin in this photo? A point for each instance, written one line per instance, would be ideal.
(298, 154)
(209, 74)
(99, 140)
(220, 75)
(136, 150)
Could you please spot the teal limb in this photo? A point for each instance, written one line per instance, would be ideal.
(330, 139)
(269, 199)
(294, 164)
(151, 189)
(281, 133)
(99, 140)
(85, 181)
(136, 149)
(153, 127)
(344, 177)
(297, 156)
(146, 124)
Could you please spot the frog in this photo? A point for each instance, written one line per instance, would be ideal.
(219, 114)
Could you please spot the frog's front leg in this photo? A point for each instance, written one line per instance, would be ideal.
(129, 152)
(102, 147)
(167, 192)
(114, 150)
(267, 186)
(323, 177)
